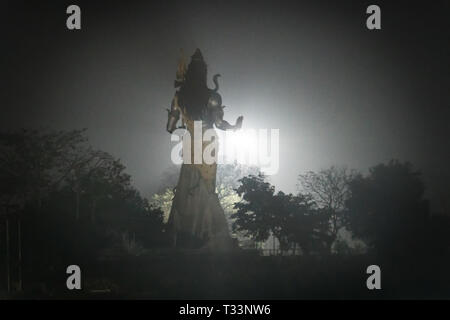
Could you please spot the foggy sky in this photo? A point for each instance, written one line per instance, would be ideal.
(339, 93)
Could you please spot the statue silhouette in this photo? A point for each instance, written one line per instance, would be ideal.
(197, 219)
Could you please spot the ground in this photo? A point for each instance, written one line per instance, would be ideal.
(246, 275)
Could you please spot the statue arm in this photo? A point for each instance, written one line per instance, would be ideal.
(225, 125)
(173, 115)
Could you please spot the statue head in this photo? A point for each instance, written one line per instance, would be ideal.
(194, 93)
(197, 69)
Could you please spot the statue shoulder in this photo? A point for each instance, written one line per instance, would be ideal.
(215, 99)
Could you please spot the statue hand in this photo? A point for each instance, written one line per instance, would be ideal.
(238, 124)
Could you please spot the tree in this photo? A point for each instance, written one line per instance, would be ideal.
(305, 224)
(47, 176)
(330, 189)
(254, 215)
(32, 165)
(163, 200)
(86, 163)
(35, 163)
(106, 179)
(293, 220)
(387, 208)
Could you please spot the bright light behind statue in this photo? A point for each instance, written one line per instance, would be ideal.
(245, 146)
(239, 146)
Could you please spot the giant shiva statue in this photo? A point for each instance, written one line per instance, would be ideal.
(197, 219)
